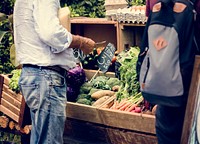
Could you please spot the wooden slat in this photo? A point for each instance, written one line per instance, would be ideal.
(130, 137)
(85, 20)
(11, 100)
(22, 110)
(82, 112)
(1, 85)
(11, 107)
(11, 93)
(11, 103)
(126, 120)
(91, 73)
(191, 102)
(9, 113)
(6, 79)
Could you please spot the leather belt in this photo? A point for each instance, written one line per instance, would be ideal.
(57, 69)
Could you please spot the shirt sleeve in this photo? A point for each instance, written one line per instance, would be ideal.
(48, 26)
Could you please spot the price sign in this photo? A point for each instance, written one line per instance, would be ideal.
(105, 58)
(78, 54)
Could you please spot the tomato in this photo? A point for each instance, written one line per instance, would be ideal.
(98, 51)
(114, 59)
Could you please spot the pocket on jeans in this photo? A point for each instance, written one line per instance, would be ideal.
(31, 95)
(57, 80)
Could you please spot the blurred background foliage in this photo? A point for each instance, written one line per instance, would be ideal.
(86, 8)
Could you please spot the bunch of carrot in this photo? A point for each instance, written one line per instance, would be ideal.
(130, 104)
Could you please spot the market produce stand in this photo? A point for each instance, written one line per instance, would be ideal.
(88, 123)
(113, 126)
(116, 126)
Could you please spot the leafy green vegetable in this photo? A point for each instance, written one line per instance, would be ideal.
(129, 86)
(84, 96)
(85, 90)
(84, 101)
(113, 82)
(14, 80)
(93, 90)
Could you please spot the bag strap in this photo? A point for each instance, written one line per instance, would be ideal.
(195, 18)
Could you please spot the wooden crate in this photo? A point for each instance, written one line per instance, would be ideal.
(82, 112)
(128, 127)
(91, 73)
(85, 112)
(11, 103)
(139, 122)
(81, 132)
(99, 29)
(130, 35)
(124, 136)
(118, 127)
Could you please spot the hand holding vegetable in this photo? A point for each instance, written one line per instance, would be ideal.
(83, 43)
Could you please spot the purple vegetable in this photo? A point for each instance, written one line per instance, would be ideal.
(72, 94)
(76, 77)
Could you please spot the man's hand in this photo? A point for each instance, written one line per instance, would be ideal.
(83, 43)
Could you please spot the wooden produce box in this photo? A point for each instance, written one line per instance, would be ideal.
(82, 132)
(85, 112)
(82, 112)
(130, 35)
(124, 136)
(11, 103)
(127, 120)
(98, 29)
(128, 127)
(118, 127)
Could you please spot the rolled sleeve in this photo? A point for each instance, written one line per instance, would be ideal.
(48, 26)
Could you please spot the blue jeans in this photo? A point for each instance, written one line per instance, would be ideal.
(44, 92)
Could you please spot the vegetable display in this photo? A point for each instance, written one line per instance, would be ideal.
(129, 86)
(125, 92)
(128, 96)
(97, 91)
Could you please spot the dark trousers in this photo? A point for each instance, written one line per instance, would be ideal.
(169, 123)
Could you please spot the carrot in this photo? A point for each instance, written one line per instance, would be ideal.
(128, 107)
(125, 106)
(123, 102)
(114, 105)
(132, 107)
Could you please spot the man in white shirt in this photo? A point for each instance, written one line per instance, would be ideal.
(44, 48)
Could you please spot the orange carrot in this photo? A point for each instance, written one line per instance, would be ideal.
(128, 107)
(125, 106)
(121, 103)
(132, 107)
(114, 105)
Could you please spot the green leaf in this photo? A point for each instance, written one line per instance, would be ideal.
(2, 34)
(3, 16)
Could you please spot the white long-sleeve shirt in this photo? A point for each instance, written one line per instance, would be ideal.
(39, 38)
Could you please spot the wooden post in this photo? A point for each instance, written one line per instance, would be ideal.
(1, 86)
(192, 103)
